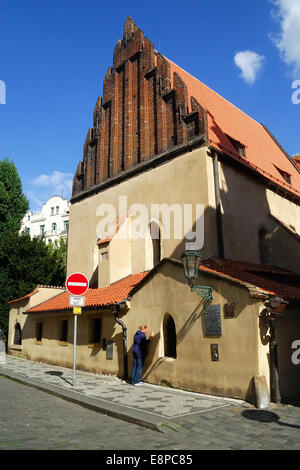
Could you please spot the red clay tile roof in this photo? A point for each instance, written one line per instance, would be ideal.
(24, 297)
(263, 154)
(281, 282)
(296, 159)
(267, 279)
(93, 297)
(113, 230)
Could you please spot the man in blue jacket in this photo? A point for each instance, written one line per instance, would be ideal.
(139, 350)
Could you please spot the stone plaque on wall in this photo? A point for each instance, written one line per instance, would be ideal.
(212, 320)
(109, 349)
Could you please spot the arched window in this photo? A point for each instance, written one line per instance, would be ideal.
(18, 335)
(265, 252)
(155, 237)
(169, 335)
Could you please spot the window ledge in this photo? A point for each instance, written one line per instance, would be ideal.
(94, 345)
(18, 347)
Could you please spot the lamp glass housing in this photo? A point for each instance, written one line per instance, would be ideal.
(191, 261)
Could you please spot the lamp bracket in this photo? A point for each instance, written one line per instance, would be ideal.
(203, 291)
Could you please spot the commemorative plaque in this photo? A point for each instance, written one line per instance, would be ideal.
(109, 349)
(212, 320)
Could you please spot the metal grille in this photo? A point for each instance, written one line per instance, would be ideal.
(18, 335)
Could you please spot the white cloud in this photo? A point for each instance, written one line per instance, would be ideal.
(288, 40)
(250, 63)
(34, 201)
(57, 183)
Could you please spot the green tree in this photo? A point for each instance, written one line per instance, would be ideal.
(13, 203)
(59, 253)
(24, 263)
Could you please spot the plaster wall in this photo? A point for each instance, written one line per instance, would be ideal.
(246, 208)
(193, 368)
(182, 180)
(16, 315)
(89, 355)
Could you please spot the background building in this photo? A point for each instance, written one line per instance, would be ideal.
(52, 221)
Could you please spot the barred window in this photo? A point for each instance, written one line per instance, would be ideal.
(95, 330)
(265, 251)
(39, 331)
(63, 331)
(18, 335)
(156, 243)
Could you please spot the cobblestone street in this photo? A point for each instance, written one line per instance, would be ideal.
(32, 419)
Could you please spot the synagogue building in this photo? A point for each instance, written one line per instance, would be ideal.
(172, 170)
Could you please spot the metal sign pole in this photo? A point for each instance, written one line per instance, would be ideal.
(74, 350)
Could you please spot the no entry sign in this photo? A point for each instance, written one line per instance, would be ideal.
(77, 284)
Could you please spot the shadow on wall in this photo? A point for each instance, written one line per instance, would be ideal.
(194, 316)
(93, 283)
(250, 233)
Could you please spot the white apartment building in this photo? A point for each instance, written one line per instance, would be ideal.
(51, 222)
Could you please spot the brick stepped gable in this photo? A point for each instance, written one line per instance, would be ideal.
(139, 116)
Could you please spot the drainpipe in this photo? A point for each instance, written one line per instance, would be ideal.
(218, 205)
(276, 398)
(116, 309)
(274, 307)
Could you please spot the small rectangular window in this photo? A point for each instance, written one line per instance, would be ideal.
(57, 210)
(52, 210)
(95, 330)
(39, 331)
(240, 148)
(285, 175)
(63, 331)
(104, 256)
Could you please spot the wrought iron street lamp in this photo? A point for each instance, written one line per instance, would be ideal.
(191, 260)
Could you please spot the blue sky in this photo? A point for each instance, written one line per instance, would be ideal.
(54, 55)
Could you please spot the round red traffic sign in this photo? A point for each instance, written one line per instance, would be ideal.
(77, 284)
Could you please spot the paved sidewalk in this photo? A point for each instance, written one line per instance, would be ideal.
(147, 405)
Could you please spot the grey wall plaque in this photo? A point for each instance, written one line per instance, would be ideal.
(214, 352)
(212, 320)
(109, 349)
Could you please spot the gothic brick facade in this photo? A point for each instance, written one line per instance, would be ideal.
(141, 114)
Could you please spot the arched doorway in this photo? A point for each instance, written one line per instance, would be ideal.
(169, 335)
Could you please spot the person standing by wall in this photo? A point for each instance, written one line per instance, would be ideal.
(140, 343)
